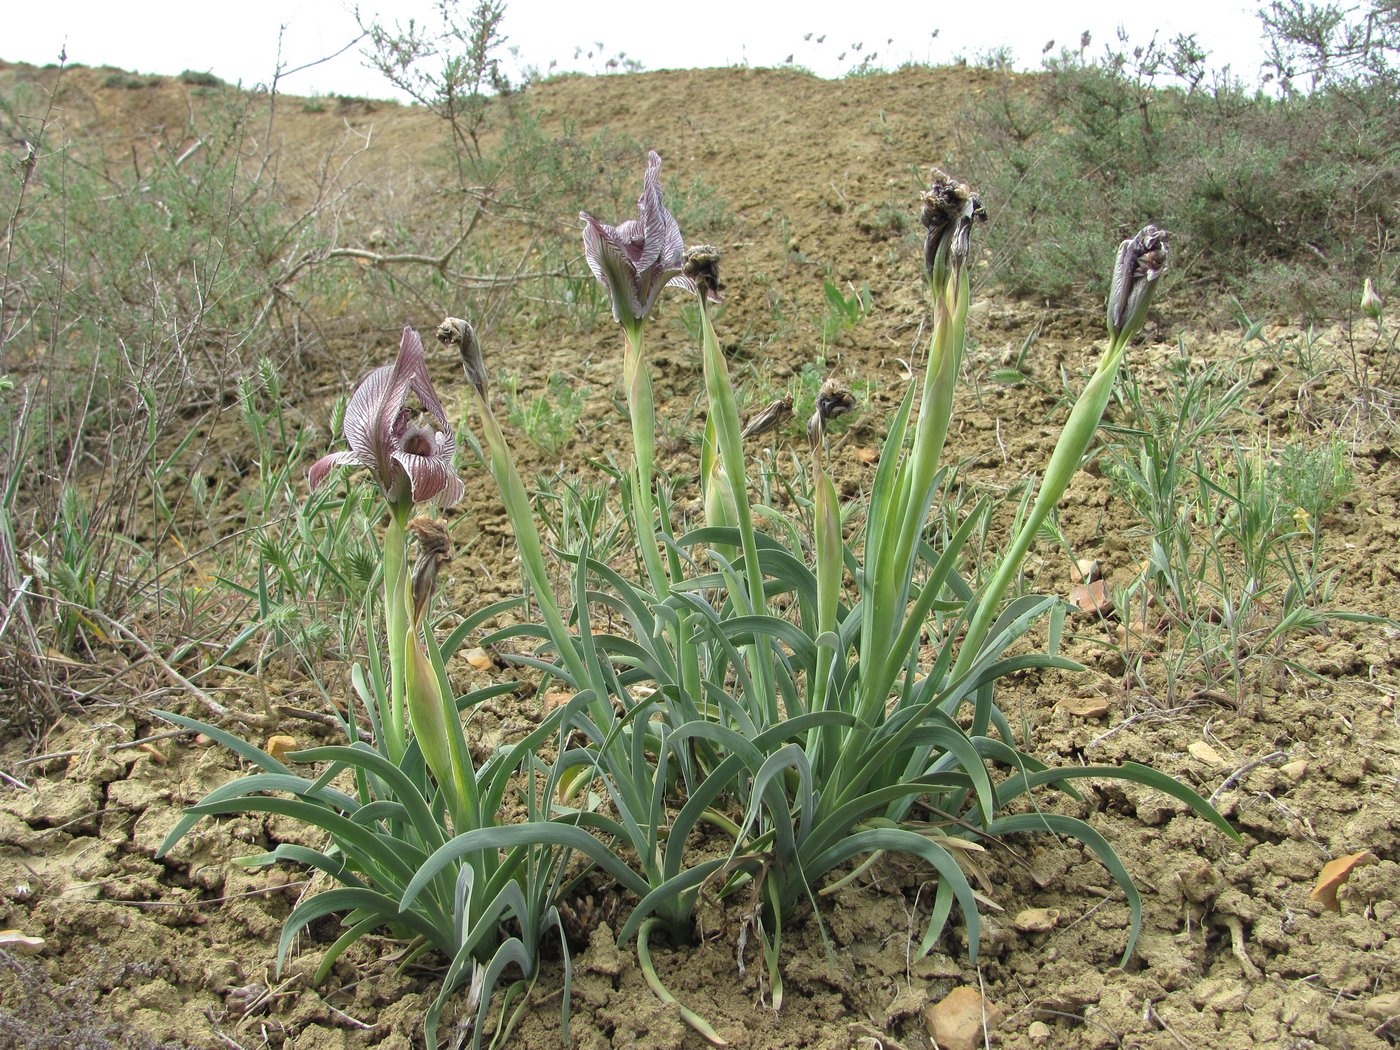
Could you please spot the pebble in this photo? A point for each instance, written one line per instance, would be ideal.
(1036, 920)
(956, 1022)
(1203, 752)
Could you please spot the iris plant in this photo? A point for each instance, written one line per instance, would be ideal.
(746, 718)
(415, 786)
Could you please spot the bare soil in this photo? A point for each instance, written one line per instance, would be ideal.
(1235, 951)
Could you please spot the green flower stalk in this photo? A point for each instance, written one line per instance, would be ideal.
(725, 434)
(721, 510)
(634, 261)
(431, 710)
(833, 400)
(456, 332)
(1141, 261)
(905, 487)
(396, 625)
(948, 210)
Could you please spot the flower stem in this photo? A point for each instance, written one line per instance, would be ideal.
(1069, 451)
(642, 412)
(396, 623)
(725, 412)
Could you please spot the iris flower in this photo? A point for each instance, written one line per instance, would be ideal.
(636, 260)
(411, 460)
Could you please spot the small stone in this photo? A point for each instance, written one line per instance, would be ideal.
(1036, 920)
(479, 659)
(1296, 770)
(1038, 1032)
(280, 745)
(1084, 706)
(1203, 752)
(957, 1022)
(1091, 598)
(555, 698)
(1084, 570)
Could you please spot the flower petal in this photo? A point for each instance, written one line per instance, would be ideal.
(429, 477)
(608, 259)
(653, 214)
(411, 347)
(664, 245)
(362, 413)
(321, 469)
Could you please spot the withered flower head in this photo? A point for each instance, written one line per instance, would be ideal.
(769, 418)
(1142, 260)
(638, 258)
(948, 210)
(702, 270)
(434, 548)
(455, 331)
(833, 400)
(409, 460)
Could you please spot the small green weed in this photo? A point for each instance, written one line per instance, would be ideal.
(549, 420)
(844, 311)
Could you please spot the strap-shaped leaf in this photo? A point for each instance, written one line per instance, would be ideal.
(901, 840)
(679, 887)
(454, 638)
(1129, 771)
(290, 852)
(1073, 827)
(543, 834)
(250, 785)
(403, 790)
(349, 898)
(248, 752)
(394, 858)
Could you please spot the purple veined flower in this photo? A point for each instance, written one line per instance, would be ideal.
(635, 260)
(410, 459)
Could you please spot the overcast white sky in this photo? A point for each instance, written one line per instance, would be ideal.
(239, 40)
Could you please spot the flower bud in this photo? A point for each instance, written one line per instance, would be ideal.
(721, 508)
(1371, 303)
(833, 400)
(770, 418)
(1141, 261)
(434, 548)
(455, 331)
